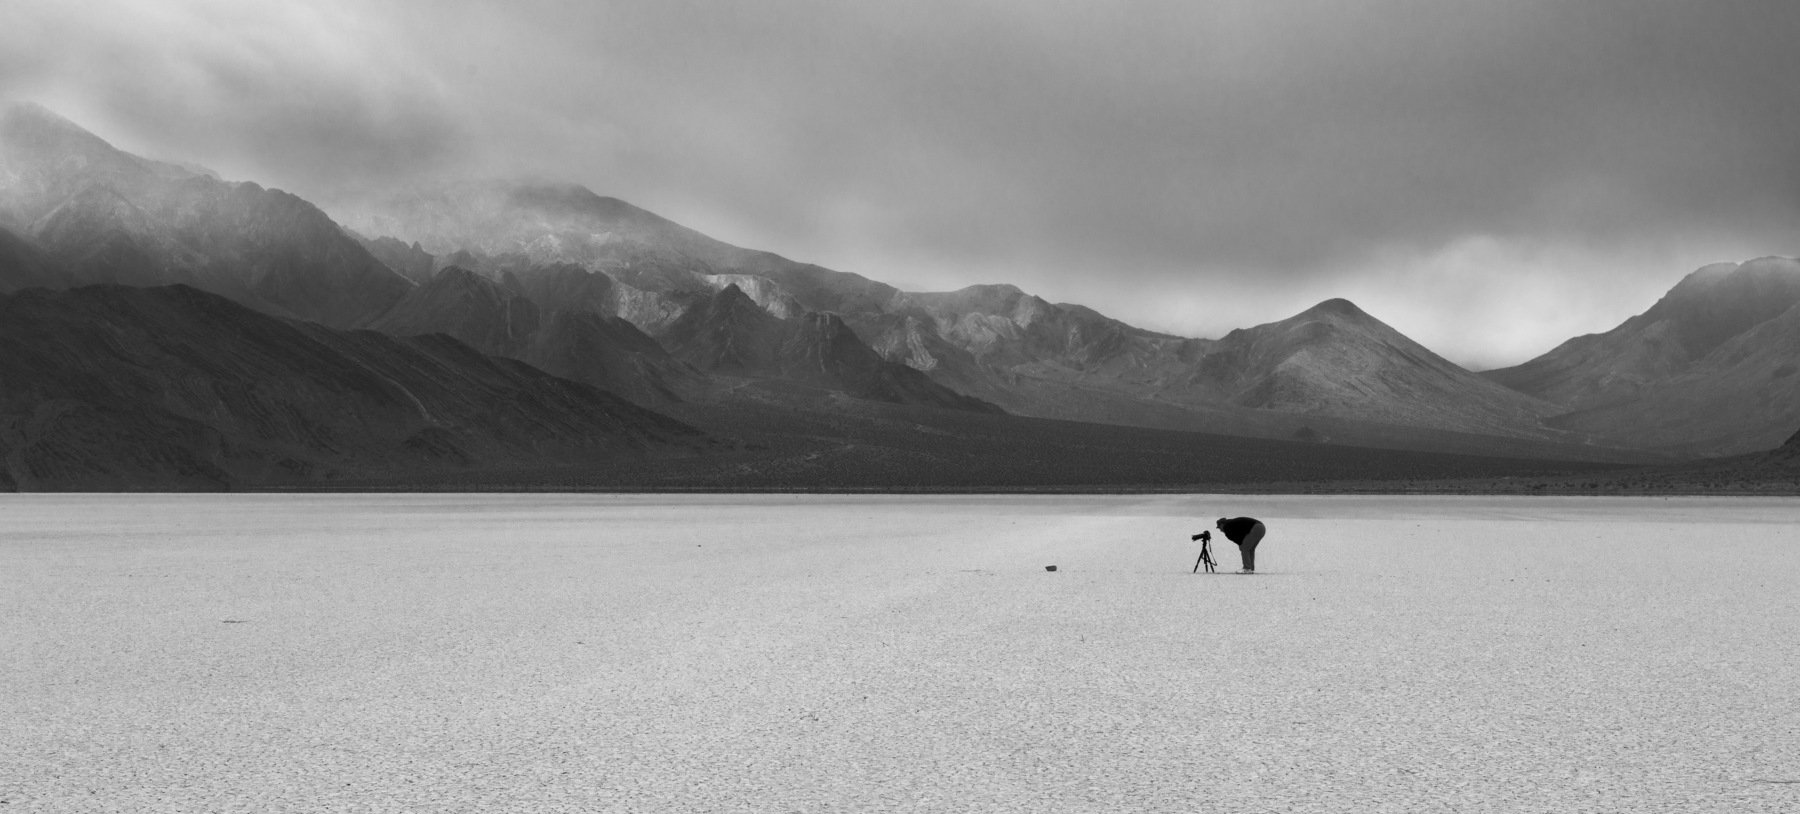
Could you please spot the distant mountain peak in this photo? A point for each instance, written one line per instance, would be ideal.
(1749, 272)
(1712, 271)
(32, 136)
(1318, 323)
(827, 324)
(1678, 371)
(27, 114)
(727, 310)
(79, 195)
(1712, 276)
(765, 292)
(732, 297)
(568, 194)
(1337, 307)
(995, 299)
(1789, 264)
(457, 275)
(992, 289)
(1722, 300)
(466, 305)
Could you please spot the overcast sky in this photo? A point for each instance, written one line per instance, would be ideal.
(1489, 177)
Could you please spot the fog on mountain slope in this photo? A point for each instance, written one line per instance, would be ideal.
(106, 216)
(994, 342)
(1710, 368)
(656, 311)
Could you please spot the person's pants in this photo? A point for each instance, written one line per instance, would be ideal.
(1247, 548)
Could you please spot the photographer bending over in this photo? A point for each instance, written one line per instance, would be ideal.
(1246, 532)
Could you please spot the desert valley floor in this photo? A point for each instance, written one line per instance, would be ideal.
(853, 653)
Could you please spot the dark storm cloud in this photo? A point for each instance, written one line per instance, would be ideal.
(300, 95)
(1189, 165)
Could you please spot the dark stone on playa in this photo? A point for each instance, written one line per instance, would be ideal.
(1049, 568)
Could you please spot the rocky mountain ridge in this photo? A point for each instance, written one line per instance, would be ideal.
(101, 215)
(1333, 366)
(606, 295)
(1708, 369)
(115, 387)
(1703, 311)
(732, 334)
(993, 342)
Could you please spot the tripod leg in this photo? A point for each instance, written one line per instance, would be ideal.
(1197, 564)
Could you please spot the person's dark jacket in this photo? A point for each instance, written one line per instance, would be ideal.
(1237, 528)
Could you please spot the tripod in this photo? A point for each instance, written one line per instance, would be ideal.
(1206, 556)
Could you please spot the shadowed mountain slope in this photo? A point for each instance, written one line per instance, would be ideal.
(412, 262)
(577, 284)
(1002, 325)
(1702, 312)
(545, 223)
(1788, 454)
(1742, 396)
(730, 334)
(1331, 373)
(565, 286)
(107, 216)
(110, 387)
(1709, 369)
(1033, 357)
(994, 342)
(612, 354)
(467, 306)
(24, 265)
(1333, 359)
(603, 351)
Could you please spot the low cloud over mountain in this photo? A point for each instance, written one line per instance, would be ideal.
(560, 296)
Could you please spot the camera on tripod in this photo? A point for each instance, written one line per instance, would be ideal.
(1206, 557)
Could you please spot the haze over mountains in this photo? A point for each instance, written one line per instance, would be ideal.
(1709, 368)
(554, 326)
(109, 217)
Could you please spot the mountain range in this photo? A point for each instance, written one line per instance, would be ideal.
(115, 387)
(556, 328)
(1709, 369)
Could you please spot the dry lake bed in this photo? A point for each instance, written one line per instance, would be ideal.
(522, 653)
